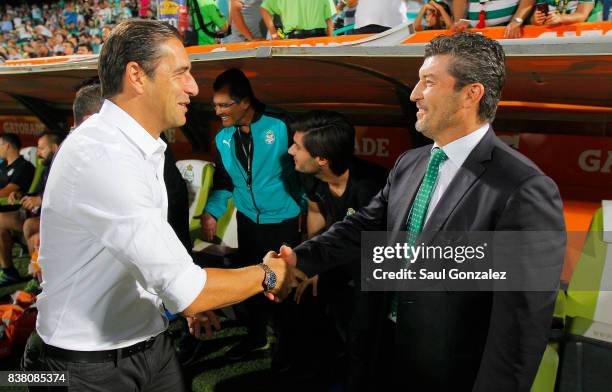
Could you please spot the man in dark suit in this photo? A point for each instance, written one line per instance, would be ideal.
(468, 181)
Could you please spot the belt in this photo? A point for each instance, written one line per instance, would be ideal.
(313, 32)
(97, 356)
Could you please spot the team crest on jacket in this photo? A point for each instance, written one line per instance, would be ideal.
(188, 174)
(270, 138)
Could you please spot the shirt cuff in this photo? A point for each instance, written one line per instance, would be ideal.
(305, 262)
(184, 289)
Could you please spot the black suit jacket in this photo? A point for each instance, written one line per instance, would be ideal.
(480, 341)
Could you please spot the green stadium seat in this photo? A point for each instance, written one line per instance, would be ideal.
(546, 376)
(225, 243)
(547, 372)
(198, 175)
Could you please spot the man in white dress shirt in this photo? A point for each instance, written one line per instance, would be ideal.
(109, 258)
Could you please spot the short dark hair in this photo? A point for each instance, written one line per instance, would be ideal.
(88, 101)
(132, 40)
(445, 6)
(475, 59)
(237, 83)
(54, 137)
(88, 46)
(12, 139)
(328, 135)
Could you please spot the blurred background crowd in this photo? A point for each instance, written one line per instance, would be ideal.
(38, 28)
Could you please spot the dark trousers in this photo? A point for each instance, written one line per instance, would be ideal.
(254, 241)
(153, 369)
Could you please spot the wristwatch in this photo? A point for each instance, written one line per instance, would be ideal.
(269, 282)
(518, 20)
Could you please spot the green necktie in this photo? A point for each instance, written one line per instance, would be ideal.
(416, 219)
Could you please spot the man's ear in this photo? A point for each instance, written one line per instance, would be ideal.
(245, 103)
(322, 162)
(134, 77)
(473, 94)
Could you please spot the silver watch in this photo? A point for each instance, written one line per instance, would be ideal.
(269, 282)
(518, 19)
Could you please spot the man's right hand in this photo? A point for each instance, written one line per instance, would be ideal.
(285, 276)
(209, 226)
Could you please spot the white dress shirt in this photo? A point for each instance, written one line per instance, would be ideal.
(108, 255)
(457, 152)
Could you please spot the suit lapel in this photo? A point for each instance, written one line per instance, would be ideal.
(466, 176)
(411, 182)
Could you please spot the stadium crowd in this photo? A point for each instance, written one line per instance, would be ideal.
(67, 27)
(62, 27)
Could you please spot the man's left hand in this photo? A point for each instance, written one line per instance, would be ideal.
(31, 202)
(208, 319)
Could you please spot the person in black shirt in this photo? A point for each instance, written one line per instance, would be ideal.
(15, 172)
(27, 218)
(336, 184)
(16, 175)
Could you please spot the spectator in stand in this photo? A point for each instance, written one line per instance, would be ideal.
(347, 9)
(437, 16)
(207, 19)
(143, 9)
(6, 25)
(246, 21)
(68, 48)
(301, 18)
(41, 49)
(84, 49)
(36, 14)
(567, 12)
(70, 15)
(376, 16)
(509, 13)
(105, 14)
(82, 20)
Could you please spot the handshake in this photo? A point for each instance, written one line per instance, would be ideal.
(287, 276)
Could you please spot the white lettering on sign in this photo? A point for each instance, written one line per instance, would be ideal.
(23, 128)
(593, 161)
(368, 146)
